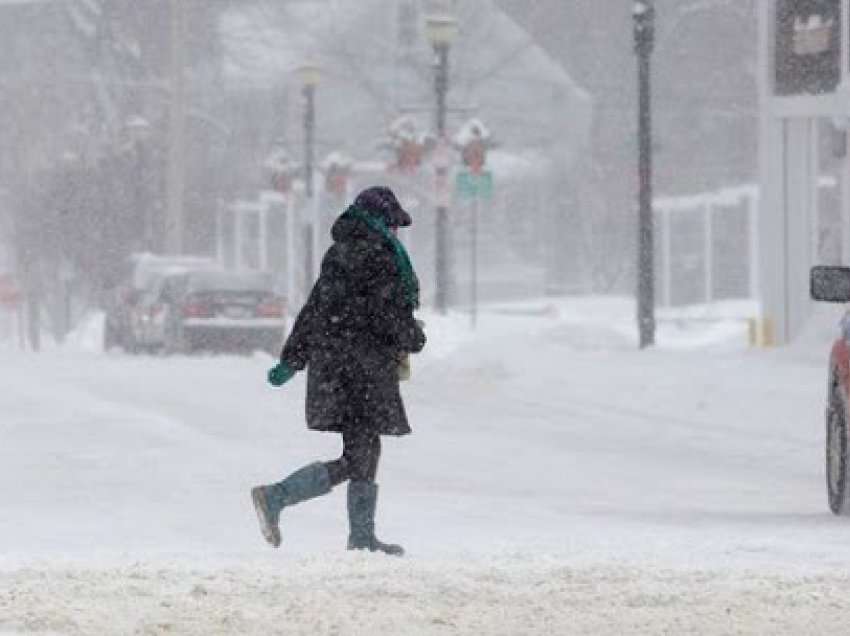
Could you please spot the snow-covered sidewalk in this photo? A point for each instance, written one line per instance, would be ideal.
(364, 595)
(558, 481)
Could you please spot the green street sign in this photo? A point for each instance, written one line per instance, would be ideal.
(469, 185)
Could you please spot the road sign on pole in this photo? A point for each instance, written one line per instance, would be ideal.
(474, 187)
(470, 185)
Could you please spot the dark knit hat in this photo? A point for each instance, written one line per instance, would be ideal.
(381, 202)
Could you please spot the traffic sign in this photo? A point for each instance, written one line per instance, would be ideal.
(807, 49)
(469, 185)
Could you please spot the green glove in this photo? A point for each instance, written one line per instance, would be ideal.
(280, 374)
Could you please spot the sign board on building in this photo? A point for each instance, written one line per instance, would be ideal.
(807, 52)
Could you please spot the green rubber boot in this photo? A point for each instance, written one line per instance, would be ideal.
(305, 483)
(362, 500)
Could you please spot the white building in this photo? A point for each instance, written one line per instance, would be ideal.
(804, 80)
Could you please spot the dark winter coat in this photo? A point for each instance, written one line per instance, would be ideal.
(351, 333)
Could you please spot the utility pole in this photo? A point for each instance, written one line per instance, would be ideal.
(176, 132)
(139, 130)
(644, 31)
(476, 209)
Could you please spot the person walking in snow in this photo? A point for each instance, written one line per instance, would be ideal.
(351, 335)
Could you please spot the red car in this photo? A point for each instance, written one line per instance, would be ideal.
(832, 284)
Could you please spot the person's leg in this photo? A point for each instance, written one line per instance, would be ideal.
(363, 495)
(364, 453)
(359, 460)
(305, 483)
(361, 452)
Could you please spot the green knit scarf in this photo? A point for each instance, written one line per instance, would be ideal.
(402, 258)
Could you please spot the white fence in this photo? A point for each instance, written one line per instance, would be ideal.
(284, 234)
(707, 246)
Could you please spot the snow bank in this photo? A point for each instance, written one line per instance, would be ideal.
(87, 336)
(363, 595)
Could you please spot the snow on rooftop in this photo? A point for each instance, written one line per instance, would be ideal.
(471, 130)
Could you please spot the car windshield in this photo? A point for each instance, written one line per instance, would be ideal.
(150, 268)
(230, 281)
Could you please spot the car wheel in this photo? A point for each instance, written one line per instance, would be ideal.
(836, 452)
(182, 342)
(173, 339)
(117, 337)
(177, 345)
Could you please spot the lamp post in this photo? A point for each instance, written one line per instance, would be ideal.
(310, 76)
(442, 30)
(643, 13)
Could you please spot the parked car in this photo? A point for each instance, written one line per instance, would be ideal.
(222, 311)
(832, 284)
(124, 305)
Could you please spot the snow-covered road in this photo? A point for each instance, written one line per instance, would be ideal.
(558, 481)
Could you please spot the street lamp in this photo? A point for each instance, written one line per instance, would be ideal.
(310, 74)
(643, 13)
(441, 31)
